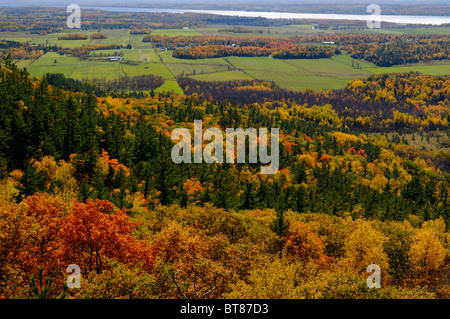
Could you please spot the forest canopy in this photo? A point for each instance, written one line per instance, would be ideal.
(72, 158)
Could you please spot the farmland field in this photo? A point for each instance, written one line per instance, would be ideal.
(142, 58)
(166, 57)
(431, 69)
(170, 86)
(299, 74)
(223, 76)
(193, 69)
(45, 64)
(175, 32)
(421, 30)
(146, 68)
(92, 69)
(52, 39)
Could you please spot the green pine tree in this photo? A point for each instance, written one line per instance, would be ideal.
(31, 182)
(42, 289)
(279, 227)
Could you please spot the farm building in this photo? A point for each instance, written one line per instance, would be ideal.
(115, 58)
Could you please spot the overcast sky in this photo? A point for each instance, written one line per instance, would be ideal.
(155, 3)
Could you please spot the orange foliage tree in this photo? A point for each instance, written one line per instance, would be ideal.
(93, 232)
(304, 244)
(43, 243)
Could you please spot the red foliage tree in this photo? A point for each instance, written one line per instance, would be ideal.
(93, 232)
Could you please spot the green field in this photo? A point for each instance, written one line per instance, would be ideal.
(166, 57)
(21, 36)
(146, 68)
(422, 30)
(104, 53)
(295, 75)
(93, 69)
(23, 63)
(142, 58)
(299, 74)
(194, 69)
(175, 32)
(346, 59)
(45, 64)
(425, 69)
(170, 86)
(222, 76)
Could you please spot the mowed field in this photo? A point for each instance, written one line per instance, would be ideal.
(301, 74)
(142, 58)
(431, 68)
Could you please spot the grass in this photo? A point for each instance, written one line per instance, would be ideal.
(333, 73)
(114, 36)
(102, 54)
(20, 36)
(93, 69)
(166, 57)
(299, 74)
(23, 63)
(440, 67)
(327, 67)
(45, 64)
(346, 59)
(295, 75)
(170, 86)
(432, 69)
(148, 55)
(52, 39)
(175, 32)
(194, 69)
(222, 76)
(422, 30)
(146, 68)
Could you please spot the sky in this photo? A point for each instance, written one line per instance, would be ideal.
(154, 3)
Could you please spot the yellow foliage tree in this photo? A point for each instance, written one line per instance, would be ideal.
(301, 243)
(364, 246)
(379, 182)
(427, 253)
(8, 191)
(275, 279)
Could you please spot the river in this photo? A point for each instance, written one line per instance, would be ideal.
(403, 19)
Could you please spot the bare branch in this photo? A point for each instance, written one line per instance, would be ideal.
(176, 284)
(196, 292)
(208, 292)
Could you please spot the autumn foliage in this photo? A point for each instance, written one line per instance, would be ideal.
(97, 36)
(43, 232)
(73, 36)
(88, 180)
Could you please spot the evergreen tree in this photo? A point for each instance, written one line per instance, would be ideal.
(279, 227)
(205, 196)
(184, 198)
(31, 182)
(42, 289)
(414, 191)
(299, 197)
(247, 197)
(300, 173)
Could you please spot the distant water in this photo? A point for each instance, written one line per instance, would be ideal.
(404, 19)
